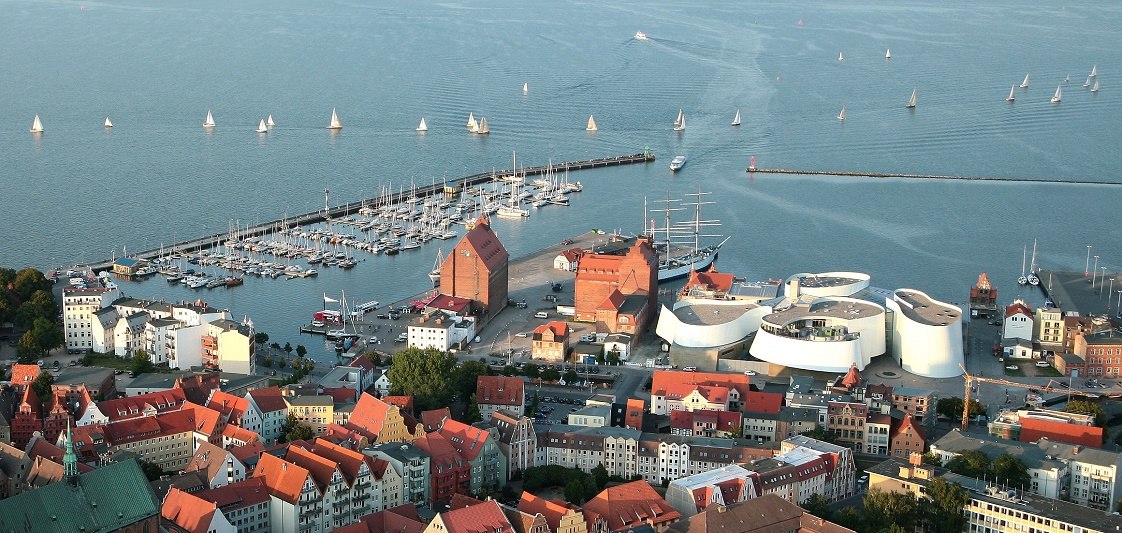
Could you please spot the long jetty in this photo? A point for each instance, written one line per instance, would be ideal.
(864, 174)
(455, 186)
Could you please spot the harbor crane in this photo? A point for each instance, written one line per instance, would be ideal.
(972, 380)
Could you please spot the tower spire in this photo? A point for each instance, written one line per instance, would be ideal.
(69, 459)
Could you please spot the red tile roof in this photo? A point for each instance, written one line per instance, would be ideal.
(449, 303)
(206, 421)
(232, 407)
(722, 420)
(403, 402)
(400, 519)
(209, 459)
(484, 517)
(349, 461)
(710, 280)
(677, 391)
(468, 440)
(188, 511)
(1032, 429)
(761, 402)
(240, 434)
(1018, 307)
(560, 330)
(552, 511)
(435, 418)
(852, 378)
(630, 505)
(269, 399)
(613, 302)
(134, 406)
(599, 267)
(341, 394)
(283, 479)
(499, 390)
(40, 448)
(368, 416)
(244, 493)
(486, 244)
(321, 468)
(249, 451)
(23, 375)
(572, 254)
(362, 362)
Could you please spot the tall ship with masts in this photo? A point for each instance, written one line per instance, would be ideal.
(681, 244)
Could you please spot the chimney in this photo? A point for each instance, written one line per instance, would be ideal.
(915, 459)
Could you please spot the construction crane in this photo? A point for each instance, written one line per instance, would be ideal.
(971, 380)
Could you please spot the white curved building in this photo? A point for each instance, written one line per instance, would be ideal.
(826, 284)
(926, 334)
(709, 323)
(826, 333)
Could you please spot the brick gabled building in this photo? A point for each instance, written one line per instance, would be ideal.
(632, 505)
(477, 270)
(619, 293)
(449, 472)
(380, 421)
(550, 342)
(493, 393)
(907, 438)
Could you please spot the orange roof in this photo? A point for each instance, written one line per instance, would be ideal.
(250, 450)
(321, 468)
(209, 459)
(599, 267)
(24, 374)
(467, 440)
(852, 378)
(400, 519)
(709, 280)
(232, 407)
(207, 421)
(433, 419)
(483, 517)
(736, 380)
(631, 504)
(572, 254)
(134, 406)
(499, 390)
(613, 302)
(240, 494)
(188, 511)
(282, 478)
(1018, 307)
(240, 434)
(269, 399)
(552, 511)
(368, 416)
(442, 454)
(677, 391)
(983, 282)
(349, 461)
(404, 402)
(1032, 429)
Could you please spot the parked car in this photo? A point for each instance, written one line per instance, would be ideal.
(1042, 364)
(749, 372)
(541, 314)
(690, 369)
(1011, 367)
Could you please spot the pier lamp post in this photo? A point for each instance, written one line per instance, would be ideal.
(1094, 271)
(1118, 304)
(1087, 263)
(1102, 281)
(1108, 293)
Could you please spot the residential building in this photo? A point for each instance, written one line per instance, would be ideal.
(477, 448)
(230, 345)
(632, 505)
(245, 504)
(618, 292)
(493, 393)
(78, 307)
(727, 485)
(792, 421)
(98, 381)
(1017, 330)
(907, 438)
(550, 342)
(187, 513)
(847, 422)
(559, 516)
(380, 421)
(400, 519)
(1050, 329)
(920, 403)
(878, 429)
(316, 412)
(568, 259)
(411, 464)
(295, 500)
(706, 423)
(477, 270)
(841, 484)
(356, 376)
(236, 410)
(515, 437)
(14, 467)
(672, 390)
(439, 330)
(1101, 352)
(766, 514)
(449, 473)
(219, 466)
(273, 410)
(482, 517)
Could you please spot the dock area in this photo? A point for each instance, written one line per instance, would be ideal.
(900, 175)
(321, 215)
(1075, 292)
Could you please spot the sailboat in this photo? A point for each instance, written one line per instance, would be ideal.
(209, 122)
(912, 100)
(262, 128)
(335, 124)
(1024, 84)
(108, 123)
(526, 88)
(1011, 96)
(36, 125)
(841, 56)
(841, 116)
(1056, 97)
(591, 124)
(888, 53)
(1094, 71)
(422, 126)
(1032, 278)
(483, 128)
(1022, 279)
(269, 121)
(472, 125)
(1095, 87)
(736, 119)
(434, 274)
(680, 122)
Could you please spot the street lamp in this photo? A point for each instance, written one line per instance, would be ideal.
(1118, 304)
(1102, 280)
(1094, 271)
(1087, 263)
(1108, 293)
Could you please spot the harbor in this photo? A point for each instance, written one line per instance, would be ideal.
(752, 169)
(1085, 293)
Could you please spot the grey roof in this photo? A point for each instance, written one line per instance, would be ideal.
(814, 444)
(106, 499)
(164, 322)
(401, 452)
(801, 385)
(797, 414)
(1029, 454)
(83, 375)
(757, 289)
(156, 380)
(595, 410)
(310, 400)
(232, 381)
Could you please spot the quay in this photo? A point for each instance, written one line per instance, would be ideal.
(1075, 292)
(453, 186)
(864, 174)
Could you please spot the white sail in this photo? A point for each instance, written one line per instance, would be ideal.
(888, 53)
(209, 122)
(1095, 87)
(269, 121)
(736, 119)
(1056, 97)
(108, 123)
(1011, 96)
(591, 124)
(841, 116)
(912, 100)
(841, 56)
(483, 127)
(1088, 82)
(1024, 84)
(261, 127)
(680, 122)
(335, 124)
(525, 88)
(1094, 71)
(36, 125)
(422, 126)
(472, 125)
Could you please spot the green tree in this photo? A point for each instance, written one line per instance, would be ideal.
(5, 308)
(613, 357)
(42, 384)
(282, 362)
(817, 505)
(47, 333)
(932, 458)
(1010, 471)
(275, 346)
(428, 375)
(600, 358)
(571, 377)
(471, 412)
(140, 363)
(40, 305)
(292, 429)
(600, 476)
(531, 371)
(820, 433)
(28, 347)
(301, 351)
(7, 276)
(151, 470)
(261, 337)
(267, 362)
(971, 463)
(952, 407)
(288, 348)
(848, 517)
(942, 508)
(466, 377)
(509, 370)
(535, 401)
(1087, 408)
(374, 358)
(881, 509)
(550, 374)
(29, 280)
(574, 491)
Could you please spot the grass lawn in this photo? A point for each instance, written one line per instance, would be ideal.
(1049, 372)
(1019, 372)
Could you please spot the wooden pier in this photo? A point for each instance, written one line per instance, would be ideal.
(861, 174)
(321, 215)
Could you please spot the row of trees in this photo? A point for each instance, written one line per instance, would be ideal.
(432, 377)
(939, 511)
(579, 486)
(26, 300)
(952, 407)
(1005, 469)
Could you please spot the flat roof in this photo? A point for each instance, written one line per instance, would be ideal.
(710, 315)
(825, 307)
(758, 289)
(814, 281)
(921, 308)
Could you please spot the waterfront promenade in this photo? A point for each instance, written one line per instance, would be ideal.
(1074, 292)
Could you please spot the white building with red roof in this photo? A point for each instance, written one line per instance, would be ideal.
(270, 405)
(493, 393)
(187, 513)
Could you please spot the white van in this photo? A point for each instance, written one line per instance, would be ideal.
(541, 314)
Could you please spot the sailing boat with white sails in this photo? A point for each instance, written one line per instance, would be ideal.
(1095, 87)
(422, 126)
(434, 274)
(841, 56)
(36, 125)
(209, 122)
(680, 122)
(1023, 279)
(526, 88)
(472, 125)
(108, 123)
(1011, 96)
(681, 250)
(912, 101)
(483, 128)
(1094, 71)
(269, 121)
(261, 127)
(841, 116)
(1032, 278)
(888, 53)
(334, 124)
(591, 124)
(1024, 84)
(1056, 97)
(736, 119)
